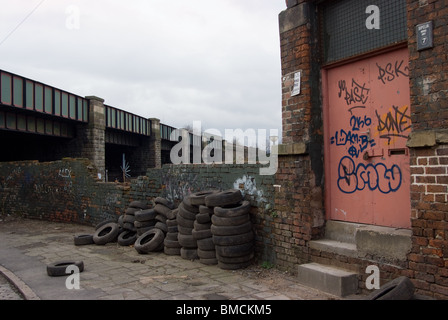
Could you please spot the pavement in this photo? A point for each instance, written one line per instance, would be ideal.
(114, 272)
(8, 290)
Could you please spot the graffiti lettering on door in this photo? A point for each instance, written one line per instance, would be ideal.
(368, 124)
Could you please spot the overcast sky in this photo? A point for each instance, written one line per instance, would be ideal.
(214, 61)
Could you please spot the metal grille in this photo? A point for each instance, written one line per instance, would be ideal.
(344, 27)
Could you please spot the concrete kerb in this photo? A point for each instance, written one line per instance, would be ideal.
(22, 287)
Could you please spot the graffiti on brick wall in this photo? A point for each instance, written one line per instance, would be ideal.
(177, 185)
(55, 183)
(57, 190)
(108, 207)
(248, 186)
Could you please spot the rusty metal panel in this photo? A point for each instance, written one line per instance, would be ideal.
(79, 110)
(64, 105)
(29, 94)
(11, 121)
(56, 128)
(21, 122)
(57, 102)
(49, 127)
(85, 110)
(40, 126)
(6, 89)
(72, 107)
(31, 124)
(38, 97)
(17, 92)
(48, 100)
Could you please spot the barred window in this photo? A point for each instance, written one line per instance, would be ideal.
(344, 30)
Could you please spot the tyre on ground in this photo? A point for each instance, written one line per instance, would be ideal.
(105, 234)
(150, 241)
(59, 268)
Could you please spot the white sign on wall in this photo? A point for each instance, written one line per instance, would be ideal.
(296, 88)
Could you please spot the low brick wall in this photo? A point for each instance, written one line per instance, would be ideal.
(69, 191)
(66, 191)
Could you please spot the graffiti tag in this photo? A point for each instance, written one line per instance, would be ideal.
(394, 123)
(65, 173)
(358, 142)
(352, 178)
(392, 71)
(356, 94)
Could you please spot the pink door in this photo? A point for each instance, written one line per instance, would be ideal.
(367, 124)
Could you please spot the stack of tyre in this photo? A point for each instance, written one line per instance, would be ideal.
(152, 223)
(127, 223)
(164, 209)
(145, 220)
(202, 228)
(231, 229)
(185, 219)
(171, 243)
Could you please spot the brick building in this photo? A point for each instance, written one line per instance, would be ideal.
(363, 169)
(362, 176)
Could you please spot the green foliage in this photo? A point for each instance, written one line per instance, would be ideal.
(267, 265)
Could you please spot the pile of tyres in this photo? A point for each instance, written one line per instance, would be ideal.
(211, 226)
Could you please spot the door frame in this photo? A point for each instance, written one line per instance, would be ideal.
(326, 121)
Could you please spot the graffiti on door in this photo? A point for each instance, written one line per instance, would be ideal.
(365, 124)
(369, 176)
(368, 121)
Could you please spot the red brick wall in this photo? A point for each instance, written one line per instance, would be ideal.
(296, 111)
(429, 68)
(297, 216)
(429, 165)
(429, 256)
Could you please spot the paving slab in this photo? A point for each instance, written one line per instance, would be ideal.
(113, 272)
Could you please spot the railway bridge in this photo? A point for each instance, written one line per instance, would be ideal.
(44, 123)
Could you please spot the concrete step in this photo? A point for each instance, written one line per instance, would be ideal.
(356, 240)
(341, 231)
(328, 279)
(328, 245)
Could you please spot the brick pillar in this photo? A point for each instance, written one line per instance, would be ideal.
(148, 154)
(299, 179)
(155, 142)
(295, 58)
(94, 135)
